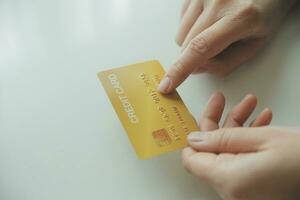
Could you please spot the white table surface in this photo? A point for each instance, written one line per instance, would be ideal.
(59, 136)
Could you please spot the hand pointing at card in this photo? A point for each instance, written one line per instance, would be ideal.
(217, 36)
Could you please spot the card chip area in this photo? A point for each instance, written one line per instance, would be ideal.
(161, 137)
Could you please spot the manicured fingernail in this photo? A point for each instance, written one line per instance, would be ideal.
(197, 136)
(165, 85)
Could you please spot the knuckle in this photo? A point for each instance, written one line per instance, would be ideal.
(249, 14)
(236, 117)
(248, 10)
(223, 139)
(198, 45)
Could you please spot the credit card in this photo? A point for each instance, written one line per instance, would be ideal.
(155, 123)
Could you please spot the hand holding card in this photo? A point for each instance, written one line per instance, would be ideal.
(155, 123)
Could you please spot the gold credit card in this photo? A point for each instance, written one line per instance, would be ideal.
(155, 123)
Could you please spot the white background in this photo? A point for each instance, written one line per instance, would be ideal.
(59, 136)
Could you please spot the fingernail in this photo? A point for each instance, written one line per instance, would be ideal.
(165, 85)
(211, 97)
(249, 96)
(267, 110)
(197, 136)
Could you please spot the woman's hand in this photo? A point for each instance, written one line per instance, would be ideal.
(244, 163)
(218, 35)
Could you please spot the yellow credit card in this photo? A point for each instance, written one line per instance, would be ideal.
(154, 123)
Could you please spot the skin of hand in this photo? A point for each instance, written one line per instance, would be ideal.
(219, 35)
(244, 163)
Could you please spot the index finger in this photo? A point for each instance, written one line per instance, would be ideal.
(204, 46)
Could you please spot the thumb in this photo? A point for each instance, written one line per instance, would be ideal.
(229, 140)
